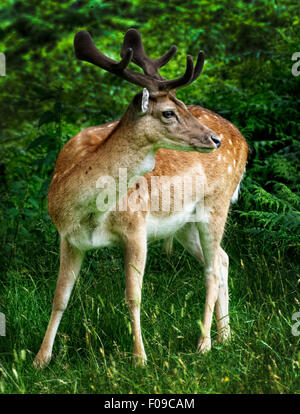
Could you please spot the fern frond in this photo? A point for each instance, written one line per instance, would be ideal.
(265, 199)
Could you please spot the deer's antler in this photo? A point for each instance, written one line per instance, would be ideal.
(133, 50)
(150, 66)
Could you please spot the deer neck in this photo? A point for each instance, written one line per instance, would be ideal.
(128, 148)
(121, 159)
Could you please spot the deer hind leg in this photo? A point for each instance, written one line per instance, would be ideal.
(188, 237)
(70, 263)
(222, 303)
(135, 250)
(196, 240)
(216, 272)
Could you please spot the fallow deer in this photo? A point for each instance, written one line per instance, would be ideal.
(158, 136)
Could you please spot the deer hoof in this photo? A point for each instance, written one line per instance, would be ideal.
(140, 360)
(41, 360)
(204, 345)
(224, 335)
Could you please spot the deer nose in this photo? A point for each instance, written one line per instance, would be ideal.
(216, 140)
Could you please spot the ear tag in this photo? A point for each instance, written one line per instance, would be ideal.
(145, 100)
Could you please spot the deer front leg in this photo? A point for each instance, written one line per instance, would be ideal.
(70, 262)
(222, 303)
(135, 247)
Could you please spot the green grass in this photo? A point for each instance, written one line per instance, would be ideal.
(93, 348)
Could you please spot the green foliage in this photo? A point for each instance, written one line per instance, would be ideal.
(247, 79)
(47, 96)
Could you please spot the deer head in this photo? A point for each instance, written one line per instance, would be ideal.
(154, 113)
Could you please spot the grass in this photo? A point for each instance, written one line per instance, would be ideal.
(93, 348)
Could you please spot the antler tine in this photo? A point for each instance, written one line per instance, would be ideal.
(150, 66)
(183, 80)
(199, 65)
(126, 59)
(133, 40)
(162, 61)
(86, 50)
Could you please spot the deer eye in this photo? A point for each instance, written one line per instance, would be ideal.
(168, 114)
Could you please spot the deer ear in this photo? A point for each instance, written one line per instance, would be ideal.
(145, 100)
